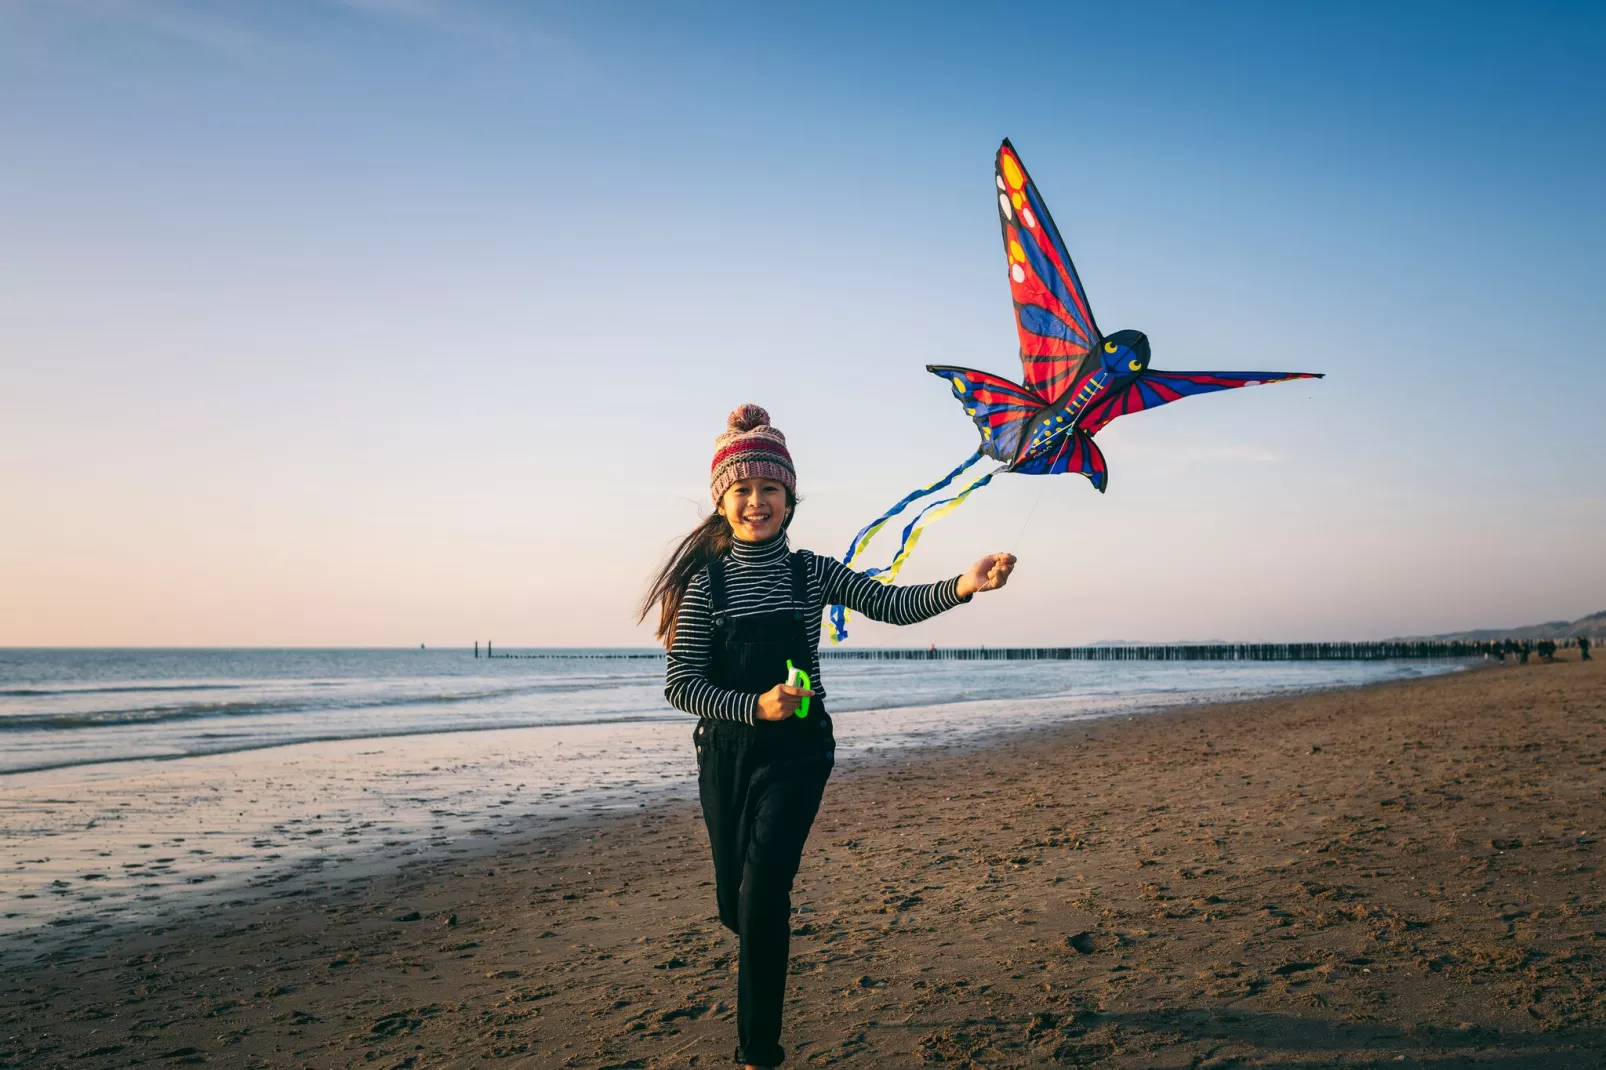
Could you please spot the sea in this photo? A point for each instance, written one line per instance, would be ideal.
(76, 707)
(133, 781)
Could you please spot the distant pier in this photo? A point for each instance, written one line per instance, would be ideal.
(1385, 651)
(1176, 652)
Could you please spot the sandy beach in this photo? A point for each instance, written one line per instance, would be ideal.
(1404, 874)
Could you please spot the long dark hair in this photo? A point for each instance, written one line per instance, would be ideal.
(710, 539)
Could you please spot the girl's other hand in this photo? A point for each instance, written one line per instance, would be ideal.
(781, 701)
(988, 574)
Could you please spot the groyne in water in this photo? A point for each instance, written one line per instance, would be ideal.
(1384, 651)
(1177, 652)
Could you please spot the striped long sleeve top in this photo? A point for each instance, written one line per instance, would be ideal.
(758, 580)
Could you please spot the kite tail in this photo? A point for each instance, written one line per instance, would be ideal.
(839, 614)
(868, 532)
(938, 510)
(911, 534)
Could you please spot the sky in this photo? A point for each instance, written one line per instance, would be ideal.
(384, 322)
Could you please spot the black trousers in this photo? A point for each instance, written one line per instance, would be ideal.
(760, 787)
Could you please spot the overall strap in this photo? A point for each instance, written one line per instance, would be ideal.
(800, 586)
(718, 600)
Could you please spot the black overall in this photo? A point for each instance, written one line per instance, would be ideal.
(760, 786)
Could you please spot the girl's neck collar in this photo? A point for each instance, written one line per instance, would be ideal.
(759, 553)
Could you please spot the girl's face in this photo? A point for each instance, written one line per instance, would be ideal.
(754, 508)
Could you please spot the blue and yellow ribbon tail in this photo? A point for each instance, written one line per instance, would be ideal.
(918, 526)
(869, 531)
(911, 533)
(839, 614)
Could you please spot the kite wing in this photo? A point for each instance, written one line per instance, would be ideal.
(1155, 388)
(1000, 408)
(1051, 311)
(1075, 452)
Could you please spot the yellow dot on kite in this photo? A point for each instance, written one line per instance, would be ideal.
(959, 384)
(1017, 200)
(1135, 364)
(1109, 347)
(1012, 171)
(986, 432)
(1016, 253)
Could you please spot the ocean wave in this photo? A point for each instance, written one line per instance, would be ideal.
(149, 715)
(118, 689)
(246, 745)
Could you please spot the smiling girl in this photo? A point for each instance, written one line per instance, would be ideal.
(735, 605)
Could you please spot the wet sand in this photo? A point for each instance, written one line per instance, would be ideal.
(86, 848)
(1404, 874)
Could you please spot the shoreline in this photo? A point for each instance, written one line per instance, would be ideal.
(1402, 869)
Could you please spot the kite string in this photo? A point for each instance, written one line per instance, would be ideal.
(1022, 532)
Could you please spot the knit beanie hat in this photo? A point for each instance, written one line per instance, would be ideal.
(750, 449)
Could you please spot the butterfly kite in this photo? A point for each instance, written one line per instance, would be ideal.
(1076, 379)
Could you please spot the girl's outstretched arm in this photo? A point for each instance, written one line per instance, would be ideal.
(917, 602)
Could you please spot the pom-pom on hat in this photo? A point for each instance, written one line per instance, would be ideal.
(750, 449)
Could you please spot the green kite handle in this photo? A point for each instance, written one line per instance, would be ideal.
(796, 677)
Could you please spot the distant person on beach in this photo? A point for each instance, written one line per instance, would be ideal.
(1583, 647)
(737, 609)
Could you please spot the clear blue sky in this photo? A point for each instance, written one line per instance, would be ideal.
(388, 321)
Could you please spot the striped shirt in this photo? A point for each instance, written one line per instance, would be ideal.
(758, 579)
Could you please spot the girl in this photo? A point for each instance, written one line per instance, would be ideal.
(735, 604)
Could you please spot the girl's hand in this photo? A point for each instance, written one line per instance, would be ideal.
(780, 702)
(988, 574)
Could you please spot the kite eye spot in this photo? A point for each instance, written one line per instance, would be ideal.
(1109, 347)
(1016, 273)
(1135, 364)
(1012, 171)
(1027, 218)
(1003, 206)
(1000, 180)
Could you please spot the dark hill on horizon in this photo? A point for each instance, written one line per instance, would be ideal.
(1593, 626)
